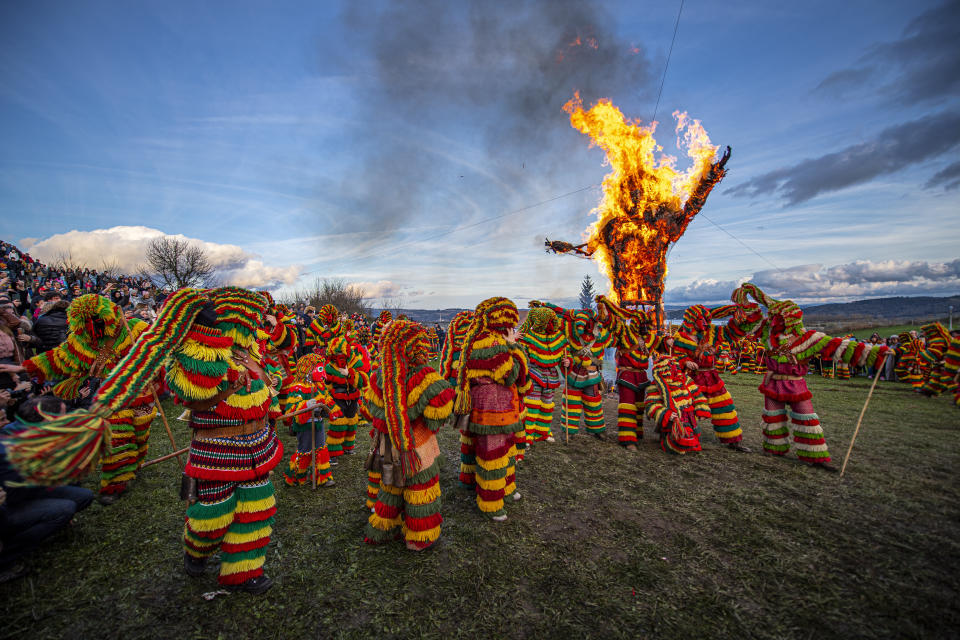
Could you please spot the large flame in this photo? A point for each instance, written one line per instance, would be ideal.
(647, 202)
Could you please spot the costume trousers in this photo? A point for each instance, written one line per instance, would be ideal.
(237, 519)
(128, 448)
(586, 402)
(411, 511)
(538, 407)
(496, 475)
(342, 434)
(807, 433)
(298, 471)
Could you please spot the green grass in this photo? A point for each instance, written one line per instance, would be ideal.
(603, 543)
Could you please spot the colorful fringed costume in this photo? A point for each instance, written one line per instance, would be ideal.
(207, 341)
(635, 337)
(674, 404)
(584, 375)
(449, 362)
(376, 330)
(305, 388)
(98, 339)
(345, 378)
(695, 346)
(545, 345)
(408, 402)
(491, 376)
(936, 379)
(325, 326)
(789, 348)
(951, 366)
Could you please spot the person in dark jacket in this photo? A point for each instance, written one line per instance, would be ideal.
(51, 327)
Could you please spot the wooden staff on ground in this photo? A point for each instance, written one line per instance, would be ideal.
(853, 439)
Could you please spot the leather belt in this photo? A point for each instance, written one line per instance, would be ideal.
(631, 370)
(244, 429)
(782, 376)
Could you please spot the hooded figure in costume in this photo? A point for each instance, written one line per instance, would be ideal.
(951, 366)
(674, 404)
(207, 340)
(583, 364)
(449, 363)
(408, 402)
(545, 345)
(788, 350)
(376, 330)
(325, 325)
(634, 335)
(935, 378)
(98, 339)
(345, 378)
(695, 346)
(305, 388)
(491, 376)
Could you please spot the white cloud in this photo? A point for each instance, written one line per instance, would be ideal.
(816, 283)
(126, 246)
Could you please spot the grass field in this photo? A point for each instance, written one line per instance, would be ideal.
(603, 543)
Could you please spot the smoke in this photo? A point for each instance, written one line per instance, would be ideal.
(500, 70)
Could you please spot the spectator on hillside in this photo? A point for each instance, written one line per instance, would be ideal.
(890, 363)
(51, 326)
(30, 515)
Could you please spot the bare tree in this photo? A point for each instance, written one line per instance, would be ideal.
(347, 297)
(110, 268)
(176, 263)
(395, 303)
(64, 261)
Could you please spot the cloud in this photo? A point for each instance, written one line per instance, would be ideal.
(949, 177)
(893, 149)
(923, 65)
(126, 246)
(816, 283)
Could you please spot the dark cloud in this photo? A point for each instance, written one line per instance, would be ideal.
(502, 69)
(948, 177)
(814, 282)
(893, 149)
(922, 66)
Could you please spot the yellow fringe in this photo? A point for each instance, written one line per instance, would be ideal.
(384, 524)
(211, 524)
(422, 496)
(491, 485)
(248, 400)
(179, 379)
(256, 506)
(197, 351)
(421, 536)
(488, 506)
(242, 538)
(493, 465)
(228, 568)
(438, 413)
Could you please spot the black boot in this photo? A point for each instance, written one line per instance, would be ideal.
(194, 566)
(256, 586)
(739, 446)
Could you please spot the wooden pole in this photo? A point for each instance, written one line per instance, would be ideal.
(566, 409)
(156, 401)
(846, 458)
(175, 454)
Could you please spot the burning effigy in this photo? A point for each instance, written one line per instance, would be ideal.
(647, 202)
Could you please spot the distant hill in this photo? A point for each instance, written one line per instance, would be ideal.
(840, 315)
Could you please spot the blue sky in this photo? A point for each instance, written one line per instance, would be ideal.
(390, 146)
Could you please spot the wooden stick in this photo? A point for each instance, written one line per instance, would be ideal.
(175, 454)
(566, 410)
(156, 400)
(313, 453)
(846, 458)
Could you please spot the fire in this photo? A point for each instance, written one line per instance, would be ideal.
(647, 202)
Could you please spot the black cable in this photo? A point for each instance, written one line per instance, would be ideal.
(667, 66)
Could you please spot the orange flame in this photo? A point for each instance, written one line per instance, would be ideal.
(643, 210)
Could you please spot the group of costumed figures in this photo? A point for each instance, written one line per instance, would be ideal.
(226, 355)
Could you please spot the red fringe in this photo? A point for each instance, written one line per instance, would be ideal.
(802, 440)
(423, 524)
(255, 517)
(240, 578)
(226, 547)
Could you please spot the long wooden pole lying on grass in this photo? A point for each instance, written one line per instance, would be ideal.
(175, 454)
(156, 400)
(846, 458)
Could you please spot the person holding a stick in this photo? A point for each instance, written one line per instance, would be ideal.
(305, 388)
(788, 348)
(99, 337)
(545, 345)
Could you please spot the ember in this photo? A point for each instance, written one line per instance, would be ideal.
(647, 203)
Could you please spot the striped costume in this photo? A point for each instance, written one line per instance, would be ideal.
(545, 345)
(345, 378)
(584, 375)
(305, 387)
(491, 377)
(674, 404)
(788, 349)
(695, 346)
(408, 402)
(98, 339)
